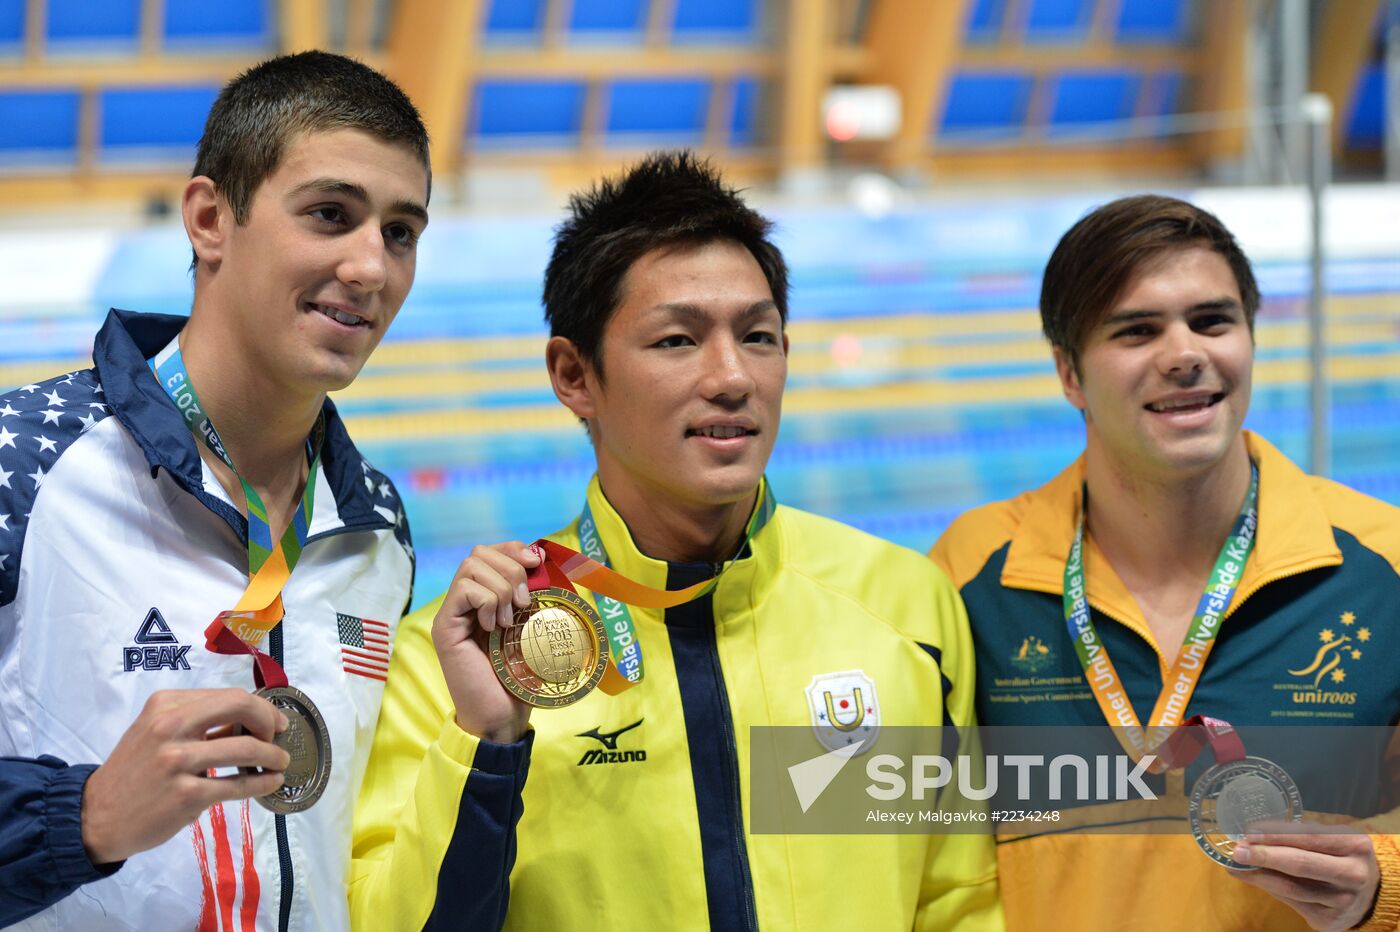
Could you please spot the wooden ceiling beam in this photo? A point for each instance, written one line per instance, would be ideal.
(432, 52)
(806, 74)
(1223, 85)
(305, 25)
(913, 47)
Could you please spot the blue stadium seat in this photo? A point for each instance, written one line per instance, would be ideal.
(228, 23)
(670, 110)
(1092, 97)
(111, 22)
(516, 112)
(149, 124)
(984, 21)
(986, 105)
(513, 22)
(38, 127)
(743, 125)
(1366, 127)
(11, 26)
(1058, 20)
(616, 20)
(728, 21)
(1153, 21)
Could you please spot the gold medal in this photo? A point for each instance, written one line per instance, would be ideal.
(555, 653)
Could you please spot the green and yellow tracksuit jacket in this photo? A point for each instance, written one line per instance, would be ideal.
(636, 810)
(1323, 572)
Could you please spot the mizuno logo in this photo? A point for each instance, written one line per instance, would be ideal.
(609, 741)
(160, 649)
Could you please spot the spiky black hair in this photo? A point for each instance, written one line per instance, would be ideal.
(667, 199)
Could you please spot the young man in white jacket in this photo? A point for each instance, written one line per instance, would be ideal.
(139, 496)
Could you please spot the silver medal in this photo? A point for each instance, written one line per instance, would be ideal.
(1229, 798)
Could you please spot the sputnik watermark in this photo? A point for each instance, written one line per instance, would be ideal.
(959, 785)
(810, 778)
(918, 780)
(934, 772)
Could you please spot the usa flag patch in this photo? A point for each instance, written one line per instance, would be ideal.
(364, 646)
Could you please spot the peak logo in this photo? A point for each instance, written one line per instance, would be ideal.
(158, 648)
(608, 753)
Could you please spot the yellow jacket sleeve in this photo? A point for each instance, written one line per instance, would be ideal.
(959, 890)
(1385, 916)
(434, 829)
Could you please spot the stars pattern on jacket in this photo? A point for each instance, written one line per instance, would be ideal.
(38, 422)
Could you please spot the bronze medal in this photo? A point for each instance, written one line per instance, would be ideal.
(309, 744)
(554, 653)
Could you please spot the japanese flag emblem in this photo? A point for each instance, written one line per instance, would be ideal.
(845, 709)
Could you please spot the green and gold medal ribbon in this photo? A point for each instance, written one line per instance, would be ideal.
(270, 563)
(1185, 673)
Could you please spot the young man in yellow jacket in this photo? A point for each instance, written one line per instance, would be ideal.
(667, 307)
(1149, 304)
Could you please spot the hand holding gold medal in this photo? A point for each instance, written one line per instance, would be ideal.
(554, 653)
(509, 640)
(486, 590)
(559, 649)
(547, 646)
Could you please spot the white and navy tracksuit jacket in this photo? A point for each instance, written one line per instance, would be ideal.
(117, 548)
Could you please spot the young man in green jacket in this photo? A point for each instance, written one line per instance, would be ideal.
(1218, 579)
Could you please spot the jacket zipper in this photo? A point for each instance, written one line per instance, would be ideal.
(732, 765)
(750, 917)
(284, 849)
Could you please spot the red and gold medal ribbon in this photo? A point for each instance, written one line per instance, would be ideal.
(1191, 737)
(561, 566)
(596, 577)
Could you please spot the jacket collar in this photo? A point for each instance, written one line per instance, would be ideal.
(625, 557)
(1294, 536)
(126, 340)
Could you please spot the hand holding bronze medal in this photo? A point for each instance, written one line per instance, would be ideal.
(1235, 794)
(307, 742)
(305, 739)
(259, 609)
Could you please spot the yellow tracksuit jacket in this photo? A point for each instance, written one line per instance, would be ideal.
(636, 808)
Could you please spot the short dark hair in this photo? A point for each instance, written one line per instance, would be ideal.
(261, 110)
(667, 199)
(1097, 259)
